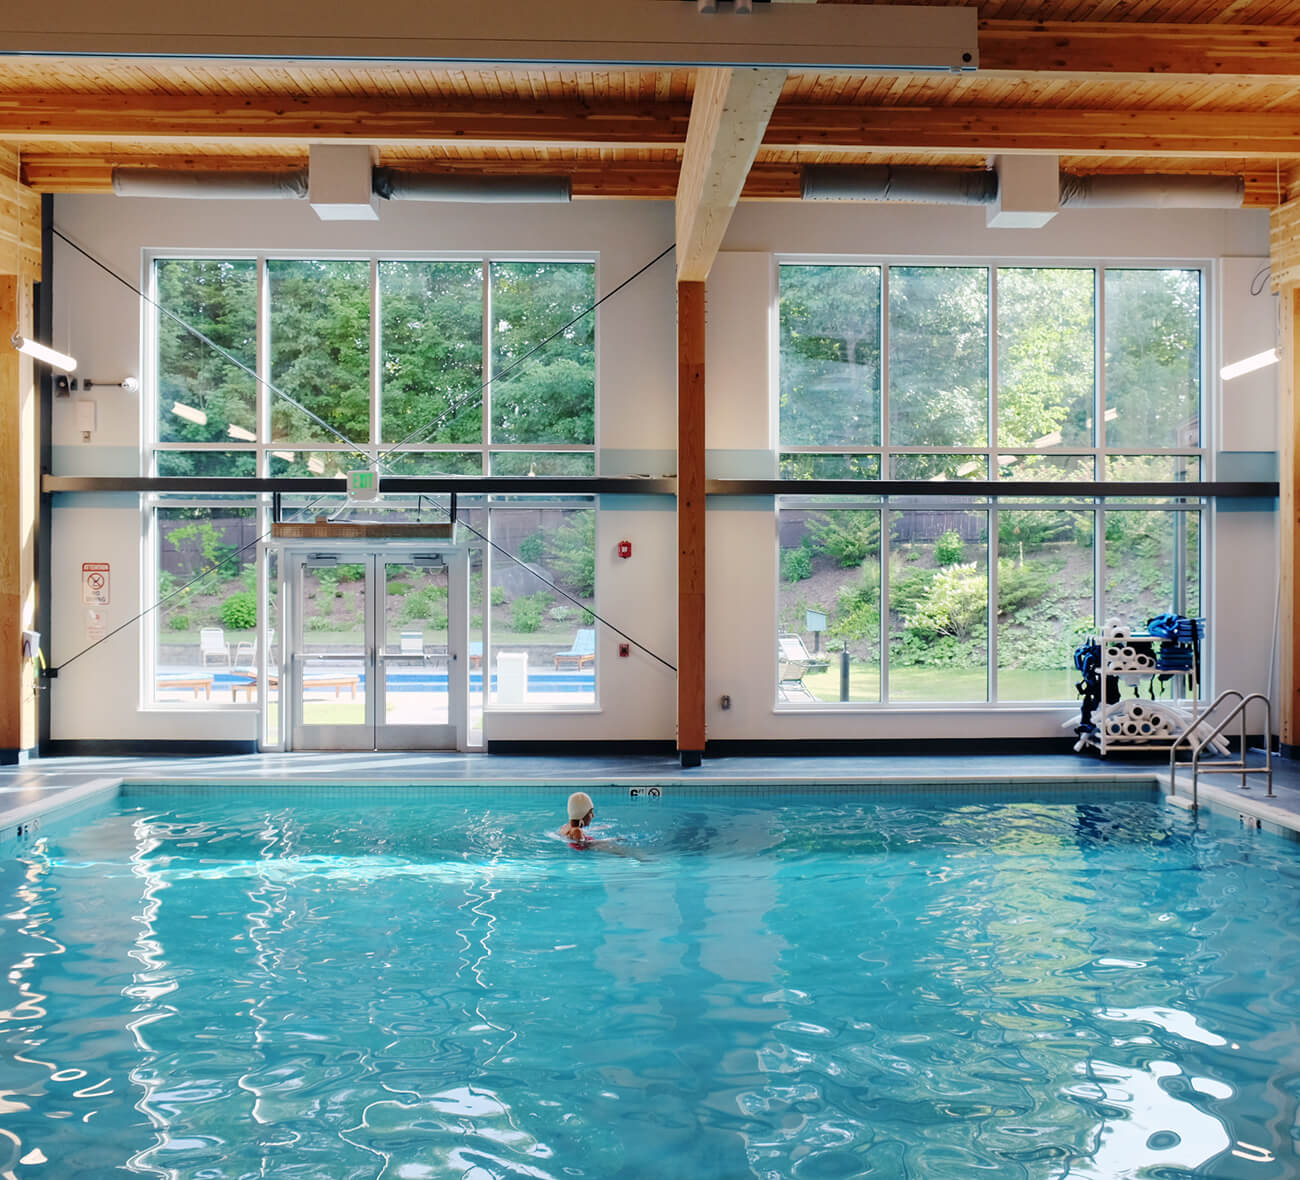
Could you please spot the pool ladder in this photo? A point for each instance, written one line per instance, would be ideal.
(1235, 766)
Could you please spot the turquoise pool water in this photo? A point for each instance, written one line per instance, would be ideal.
(820, 985)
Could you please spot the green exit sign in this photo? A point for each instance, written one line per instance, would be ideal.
(363, 485)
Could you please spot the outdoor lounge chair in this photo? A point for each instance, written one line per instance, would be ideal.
(213, 646)
(793, 662)
(582, 653)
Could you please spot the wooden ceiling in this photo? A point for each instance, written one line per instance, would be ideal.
(1132, 86)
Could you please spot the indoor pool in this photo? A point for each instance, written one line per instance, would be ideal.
(341, 984)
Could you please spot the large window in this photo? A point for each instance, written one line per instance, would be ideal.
(1006, 374)
(308, 366)
(317, 366)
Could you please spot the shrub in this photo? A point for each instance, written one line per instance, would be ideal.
(532, 547)
(796, 564)
(179, 622)
(239, 611)
(526, 614)
(588, 618)
(353, 571)
(949, 549)
(908, 590)
(849, 536)
(397, 589)
(498, 596)
(572, 552)
(957, 601)
(1021, 585)
(561, 613)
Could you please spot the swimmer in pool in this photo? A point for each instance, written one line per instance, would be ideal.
(581, 810)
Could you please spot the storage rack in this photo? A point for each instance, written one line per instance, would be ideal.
(1144, 723)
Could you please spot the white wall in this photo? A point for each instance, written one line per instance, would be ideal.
(97, 697)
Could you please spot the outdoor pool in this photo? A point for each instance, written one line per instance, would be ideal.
(427, 982)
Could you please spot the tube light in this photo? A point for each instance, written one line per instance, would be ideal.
(1048, 440)
(1248, 365)
(287, 456)
(240, 433)
(56, 360)
(316, 466)
(189, 413)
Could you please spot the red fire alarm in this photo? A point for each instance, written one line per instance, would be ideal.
(625, 549)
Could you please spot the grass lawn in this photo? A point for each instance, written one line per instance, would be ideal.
(944, 684)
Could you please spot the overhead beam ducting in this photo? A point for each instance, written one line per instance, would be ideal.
(395, 185)
(391, 184)
(916, 185)
(211, 186)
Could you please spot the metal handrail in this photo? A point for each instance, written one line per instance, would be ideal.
(1237, 766)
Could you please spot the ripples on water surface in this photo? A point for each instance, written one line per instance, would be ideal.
(797, 986)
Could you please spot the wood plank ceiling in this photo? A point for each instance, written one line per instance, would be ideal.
(1112, 86)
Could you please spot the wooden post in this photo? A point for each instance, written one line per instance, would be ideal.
(19, 267)
(690, 522)
(1289, 528)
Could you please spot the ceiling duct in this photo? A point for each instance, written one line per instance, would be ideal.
(211, 186)
(395, 185)
(389, 183)
(1152, 192)
(909, 184)
(939, 186)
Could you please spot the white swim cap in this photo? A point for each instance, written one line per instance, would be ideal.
(579, 804)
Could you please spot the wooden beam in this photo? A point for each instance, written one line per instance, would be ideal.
(1173, 133)
(20, 218)
(1111, 50)
(295, 121)
(690, 521)
(728, 115)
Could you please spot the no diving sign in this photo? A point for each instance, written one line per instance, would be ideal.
(94, 583)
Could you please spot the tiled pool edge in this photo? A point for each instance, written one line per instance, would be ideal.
(53, 805)
(1236, 804)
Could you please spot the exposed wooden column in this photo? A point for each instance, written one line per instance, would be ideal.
(690, 522)
(1284, 250)
(19, 268)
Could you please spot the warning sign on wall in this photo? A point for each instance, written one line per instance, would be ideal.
(94, 583)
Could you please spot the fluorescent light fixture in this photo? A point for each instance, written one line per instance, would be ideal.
(1049, 440)
(967, 468)
(315, 465)
(240, 433)
(287, 456)
(1260, 360)
(189, 413)
(1007, 460)
(56, 360)
(1110, 415)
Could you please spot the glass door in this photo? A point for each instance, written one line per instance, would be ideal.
(376, 659)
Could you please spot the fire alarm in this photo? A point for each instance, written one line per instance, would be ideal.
(625, 549)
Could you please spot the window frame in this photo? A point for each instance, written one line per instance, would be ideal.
(861, 495)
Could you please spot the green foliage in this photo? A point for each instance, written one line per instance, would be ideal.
(571, 553)
(239, 611)
(425, 604)
(179, 622)
(351, 572)
(1020, 586)
(588, 618)
(532, 547)
(796, 564)
(949, 549)
(209, 538)
(320, 623)
(498, 595)
(848, 536)
(908, 590)
(398, 589)
(956, 602)
(857, 613)
(1030, 531)
(526, 614)
(924, 649)
(561, 613)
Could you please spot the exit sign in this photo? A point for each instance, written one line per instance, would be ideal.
(363, 485)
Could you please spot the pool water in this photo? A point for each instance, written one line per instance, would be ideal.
(810, 985)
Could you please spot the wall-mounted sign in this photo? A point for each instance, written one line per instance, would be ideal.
(94, 583)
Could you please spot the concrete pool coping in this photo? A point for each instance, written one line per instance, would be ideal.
(46, 788)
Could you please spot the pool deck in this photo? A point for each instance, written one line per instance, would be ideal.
(44, 787)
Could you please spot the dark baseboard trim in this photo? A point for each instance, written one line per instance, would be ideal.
(1285, 751)
(16, 757)
(565, 749)
(113, 748)
(901, 747)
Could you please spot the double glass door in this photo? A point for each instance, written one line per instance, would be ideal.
(377, 658)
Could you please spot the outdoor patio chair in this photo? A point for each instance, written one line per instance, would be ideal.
(582, 653)
(412, 644)
(793, 662)
(213, 646)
